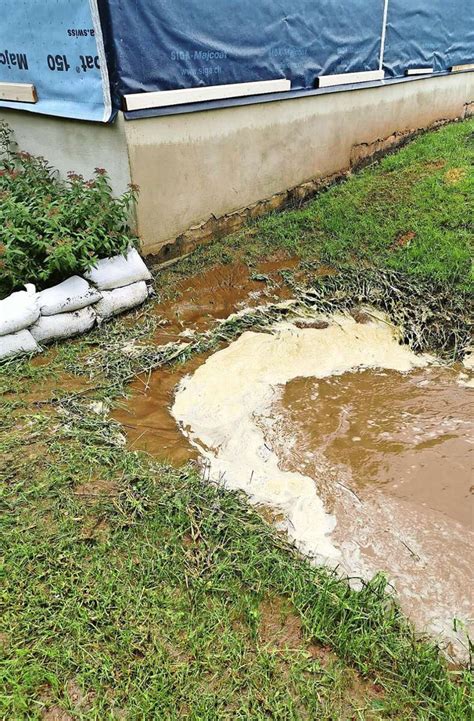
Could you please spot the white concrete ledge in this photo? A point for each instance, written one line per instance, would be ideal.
(164, 98)
(367, 76)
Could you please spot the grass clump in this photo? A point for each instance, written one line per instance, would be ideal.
(50, 229)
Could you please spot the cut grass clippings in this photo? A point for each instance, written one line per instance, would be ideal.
(134, 590)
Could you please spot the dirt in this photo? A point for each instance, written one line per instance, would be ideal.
(81, 702)
(403, 240)
(96, 488)
(55, 713)
(280, 628)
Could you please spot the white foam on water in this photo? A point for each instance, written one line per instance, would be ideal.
(221, 406)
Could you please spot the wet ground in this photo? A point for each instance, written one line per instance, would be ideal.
(197, 303)
(390, 453)
(217, 292)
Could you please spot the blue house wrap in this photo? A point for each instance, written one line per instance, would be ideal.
(57, 46)
(79, 53)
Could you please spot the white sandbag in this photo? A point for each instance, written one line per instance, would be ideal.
(19, 310)
(63, 325)
(72, 294)
(116, 301)
(118, 271)
(16, 343)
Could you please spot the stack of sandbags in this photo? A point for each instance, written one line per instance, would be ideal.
(73, 306)
(17, 313)
(65, 310)
(122, 282)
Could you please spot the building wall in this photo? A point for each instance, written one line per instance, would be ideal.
(73, 144)
(192, 167)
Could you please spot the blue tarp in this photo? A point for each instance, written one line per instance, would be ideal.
(57, 46)
(428, 33)
(171, 44)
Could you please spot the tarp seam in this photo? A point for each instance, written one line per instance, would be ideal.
(384, 34)
(104, 72)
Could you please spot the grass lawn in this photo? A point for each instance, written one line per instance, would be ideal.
(413, 211)
(134, 590)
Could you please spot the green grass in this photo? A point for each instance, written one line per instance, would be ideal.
(147, 594)
(413, 211)
(133, 590)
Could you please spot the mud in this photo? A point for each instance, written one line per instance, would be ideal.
(147, 419)
(198, 302)
(217, 292)
(225, 408)
(362, 446)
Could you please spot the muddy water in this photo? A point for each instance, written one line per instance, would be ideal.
(147, 418)
(198, 302)
(392, 455)
(218, 292)
(362, 448)
(410, 435)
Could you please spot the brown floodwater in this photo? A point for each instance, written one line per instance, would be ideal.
(146, 415)
(411, 435)
(218, 292)
(392, 457)
(198, 302)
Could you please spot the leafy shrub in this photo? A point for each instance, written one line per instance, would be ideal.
(50, 228)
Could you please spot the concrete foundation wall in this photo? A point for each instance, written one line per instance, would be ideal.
(192, 167)
(73, 144)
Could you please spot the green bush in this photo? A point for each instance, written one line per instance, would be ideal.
(50, 228)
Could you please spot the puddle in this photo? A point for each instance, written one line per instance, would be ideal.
(219, 291)
(200, 300)
(361, 446)
(392, 456)
(147, 418)
(410, 435)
